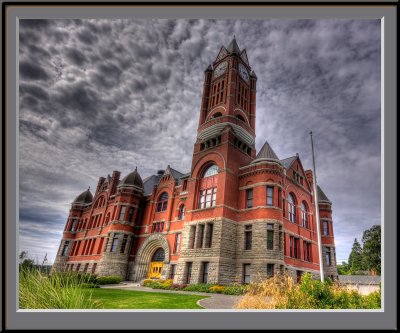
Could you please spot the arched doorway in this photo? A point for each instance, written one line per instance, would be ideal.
(156, 264)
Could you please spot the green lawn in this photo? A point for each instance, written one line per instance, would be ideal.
(128, 299)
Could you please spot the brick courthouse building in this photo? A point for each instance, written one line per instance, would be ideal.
(236, 216)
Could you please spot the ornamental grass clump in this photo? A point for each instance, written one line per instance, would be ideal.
(281, 292)
(58, 291)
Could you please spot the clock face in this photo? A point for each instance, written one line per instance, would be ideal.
(244, 74)
(220, 69)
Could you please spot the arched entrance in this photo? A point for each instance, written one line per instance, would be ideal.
(156, 264)
(147, 253)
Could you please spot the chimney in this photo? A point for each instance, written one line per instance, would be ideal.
(114, 182)
(101, 182)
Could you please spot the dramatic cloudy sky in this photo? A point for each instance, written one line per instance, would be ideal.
(104, 95)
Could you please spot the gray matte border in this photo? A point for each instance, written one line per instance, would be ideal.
(217, 319)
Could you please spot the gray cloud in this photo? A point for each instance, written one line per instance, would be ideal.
(104, 95)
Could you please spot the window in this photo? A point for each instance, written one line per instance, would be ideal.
(122, 213)
(78, 267)
(200, 236)
(100, 245)
(205, 272)
(246, 273)
(249, 198)
(94, 267)
(130, 215)
(105, 246)
(208, 187)
(280, 198)
(157, 227)
(294, 247)
(172, 272)
(209, 234)
(291, 208)
(162, 203)
(270, 270)
(270, 236)
(114, 243)
(326, 228)
(188, 272)
(85, 268)
(248, 237)
(177, 242)
(71, 268)
(123, 244)
(184, 185)
(307, 251)
(328, 256)
(192, 236)
(107, 219)
(181, 214)
(73, 225)
(65, 248)
(270, 196)
(304, 215)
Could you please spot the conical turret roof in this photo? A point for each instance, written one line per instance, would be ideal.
(84, 198)
(266, 153)
(233, 46)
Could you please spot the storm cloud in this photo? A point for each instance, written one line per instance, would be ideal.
(104, 95)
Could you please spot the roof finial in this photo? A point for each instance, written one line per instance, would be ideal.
(234, 36)
(135, 168)
(88, 188)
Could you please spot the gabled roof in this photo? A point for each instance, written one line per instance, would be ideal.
(149, 182)
(287, 162)
(322, 196)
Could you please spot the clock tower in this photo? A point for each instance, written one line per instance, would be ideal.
(226, 131)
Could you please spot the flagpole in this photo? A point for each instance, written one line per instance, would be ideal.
(321, 267)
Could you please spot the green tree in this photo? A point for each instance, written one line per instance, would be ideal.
(343, 268)
(371, 252)
(356, 258)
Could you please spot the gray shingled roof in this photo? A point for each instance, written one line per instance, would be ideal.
(233, 46)
(321, 195)
(360, 279)
(85, 197)
(149, 182)
(266, 153)
(132, 179)
(287, 162)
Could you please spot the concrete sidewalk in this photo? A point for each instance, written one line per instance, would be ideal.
(213, 301)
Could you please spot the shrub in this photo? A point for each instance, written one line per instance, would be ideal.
(89, 285)
(108, 280)
(146, 282)
(280, 292)
(59, 291)
(201, 287)
(235, 289)
(217, 289)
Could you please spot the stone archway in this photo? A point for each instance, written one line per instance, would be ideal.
(146, 252)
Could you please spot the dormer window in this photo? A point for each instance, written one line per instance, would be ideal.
(162, 202)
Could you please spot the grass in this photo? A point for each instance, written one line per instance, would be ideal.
(38, 291)
(281, 292)
(127, 299)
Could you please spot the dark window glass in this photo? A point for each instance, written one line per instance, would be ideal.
(162, 203)
(123, 244)
(209, 234)
(248, 235)
(188, 272)
(270, 236)
(270, 270)
(114, 243)
(122, 213)
(328, 256)
(205, 272)
(172, 272)
(249, 198)
(246, 273)
(130, 215)
(65, 248)
(200, 236)
(326, 229)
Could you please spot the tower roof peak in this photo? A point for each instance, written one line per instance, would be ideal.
(266, 153)
(233, 47)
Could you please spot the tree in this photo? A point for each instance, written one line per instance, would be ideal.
(356, 258)
(371, 253)
(25, 261)
(343, 268)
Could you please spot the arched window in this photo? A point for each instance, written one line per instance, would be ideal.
(292, 208)
(208, 187)
(162, 202)
(181, 214)
(159, 255)
(240, 117)
(107, 219)
(304, 215)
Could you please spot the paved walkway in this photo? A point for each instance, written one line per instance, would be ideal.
(213, 301)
